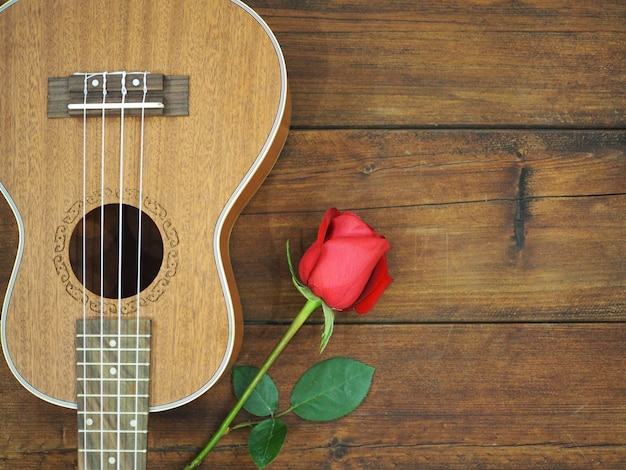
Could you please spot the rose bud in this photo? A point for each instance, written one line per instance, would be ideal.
(346, 265)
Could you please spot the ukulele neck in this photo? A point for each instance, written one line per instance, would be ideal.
(113, 371)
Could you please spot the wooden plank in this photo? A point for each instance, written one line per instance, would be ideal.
(482, 225)
(481, 63)
(444, 396)
(459, 263)
(381, 168)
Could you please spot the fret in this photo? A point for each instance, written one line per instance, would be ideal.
(112, 336)
(124, 341)
(110, 333)
(98, 343)
(113, 451)
(113, 379)
(124, 442)
(112, 395)
(121, 431)
(115, 387)
(113, 371)
(108, 364)
(118, 349)
(93, 422)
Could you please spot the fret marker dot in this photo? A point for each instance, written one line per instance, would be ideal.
(112, 343)
(136, 82)
(89, 422)
(111, 460)
(113, 370)
(95, 82)
(133, 423)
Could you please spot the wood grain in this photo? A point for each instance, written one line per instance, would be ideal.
(485, 139)
(484, 226)
(443, 396)
(485, 63)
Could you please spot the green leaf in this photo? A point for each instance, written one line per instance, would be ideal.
(329, 321)
(265, 441)
(264, 399)
(331, 389)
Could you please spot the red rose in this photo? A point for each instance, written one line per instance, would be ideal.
(346, 265)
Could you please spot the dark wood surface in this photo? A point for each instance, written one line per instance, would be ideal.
(486, 140)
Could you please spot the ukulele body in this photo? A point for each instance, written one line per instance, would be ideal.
(189, 175)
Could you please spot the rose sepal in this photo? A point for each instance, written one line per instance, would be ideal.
(299, 285)
(329, 313)
(329, 322)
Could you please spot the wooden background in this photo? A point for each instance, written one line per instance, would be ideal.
(486, 140)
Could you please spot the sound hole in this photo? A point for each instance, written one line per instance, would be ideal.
(103, 266)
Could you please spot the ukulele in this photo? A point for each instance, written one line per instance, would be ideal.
(132, 134)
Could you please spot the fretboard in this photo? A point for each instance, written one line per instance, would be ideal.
(113, 372)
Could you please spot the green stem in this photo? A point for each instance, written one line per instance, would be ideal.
(250, 424)
(309, 307)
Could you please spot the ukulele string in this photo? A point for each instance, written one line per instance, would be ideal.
(139, 247)
(102, 293)
(84, 270)
(119, 265)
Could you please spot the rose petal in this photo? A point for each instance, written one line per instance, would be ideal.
(377, 284)
(310, 257)
(348, 224)
(344, 268)
(308, 261)
(329, 216)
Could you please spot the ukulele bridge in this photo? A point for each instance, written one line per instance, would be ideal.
(94, 93)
